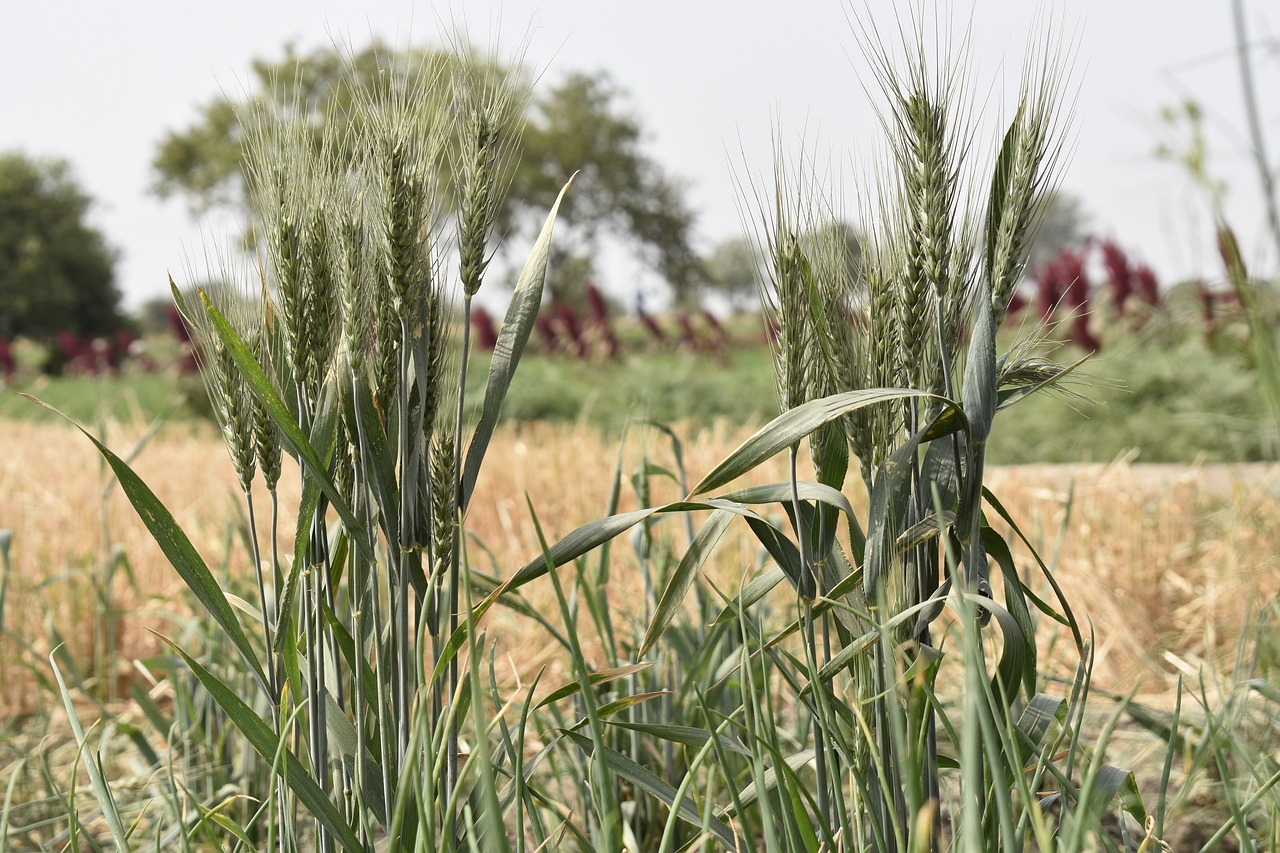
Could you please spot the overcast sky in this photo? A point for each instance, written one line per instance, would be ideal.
(100, 83)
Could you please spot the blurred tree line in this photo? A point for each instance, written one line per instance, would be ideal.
(581, 124)
(57, 273)
(57, 270)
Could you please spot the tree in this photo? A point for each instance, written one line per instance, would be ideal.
(578, 125)
(732, 270)
(733, 267)
(1062, 225)
(56, 271)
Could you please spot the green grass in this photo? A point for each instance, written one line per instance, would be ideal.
(821, 703)
(1169, 403)
(86, 398)
(1176, 402)
(664, 386)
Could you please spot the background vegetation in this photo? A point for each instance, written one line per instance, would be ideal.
(799, 690)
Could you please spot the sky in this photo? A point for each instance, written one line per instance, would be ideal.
(713, 82)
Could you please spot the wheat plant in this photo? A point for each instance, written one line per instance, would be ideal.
(904, 732)
(873, 684)
(339, 351)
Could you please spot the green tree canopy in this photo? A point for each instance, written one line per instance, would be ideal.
(579, 125)
(734, 266)
(56, 271)
(1062, 225)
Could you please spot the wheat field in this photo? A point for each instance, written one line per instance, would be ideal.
(1166, 562)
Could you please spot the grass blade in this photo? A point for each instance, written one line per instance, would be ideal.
(178, 549)
(647, 781)
(516, 328)
(264, 741)
(93, 765)
(791, 426)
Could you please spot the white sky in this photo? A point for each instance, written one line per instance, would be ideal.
(99, 84)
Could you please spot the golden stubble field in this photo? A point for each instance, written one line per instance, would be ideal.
(1166, 562)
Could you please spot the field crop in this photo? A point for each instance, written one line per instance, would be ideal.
(403, 624)
(1172, 561)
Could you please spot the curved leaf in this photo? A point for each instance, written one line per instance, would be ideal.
(998, 550)
(755, 590)
(517, 325)
(594, 679)
(794, 424)
(178, 549)
(93, 764)
(590, 536)
(681, 578)
(267, 745)
(780, 493)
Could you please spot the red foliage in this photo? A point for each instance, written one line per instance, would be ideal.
(7, 365)
(1017, 304)
(187, 363)
(1081, 336)
(176, 324)
(1146, 286)
(688, 336)
(547, 333)
(652, 327)
(568, 331)
(595, 299)
(1119, 275)
(600, 326)
(718, 332)
(485, 331)
(1061, 282)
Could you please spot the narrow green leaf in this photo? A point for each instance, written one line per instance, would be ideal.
(264, 741)
(1067, 616)
(647, 781)
(590, 536)
(1017, 647)
(980, 394)
(924, 530)
(999, 196)
(686, 735)
(291, 433)
(1115, 786)
(6, 537)
(791, 426)
(756, 589)
(307, 507)
(679, 580)
(516, 328)
(101, 790)
(1040, 712)
(626, 703)
(998, 550)
(752, 791)
(785, 555)
(343, 735)
(178, 549)
(780, 493)
(595, 678)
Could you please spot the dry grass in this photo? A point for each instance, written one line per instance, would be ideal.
(1165, 561)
